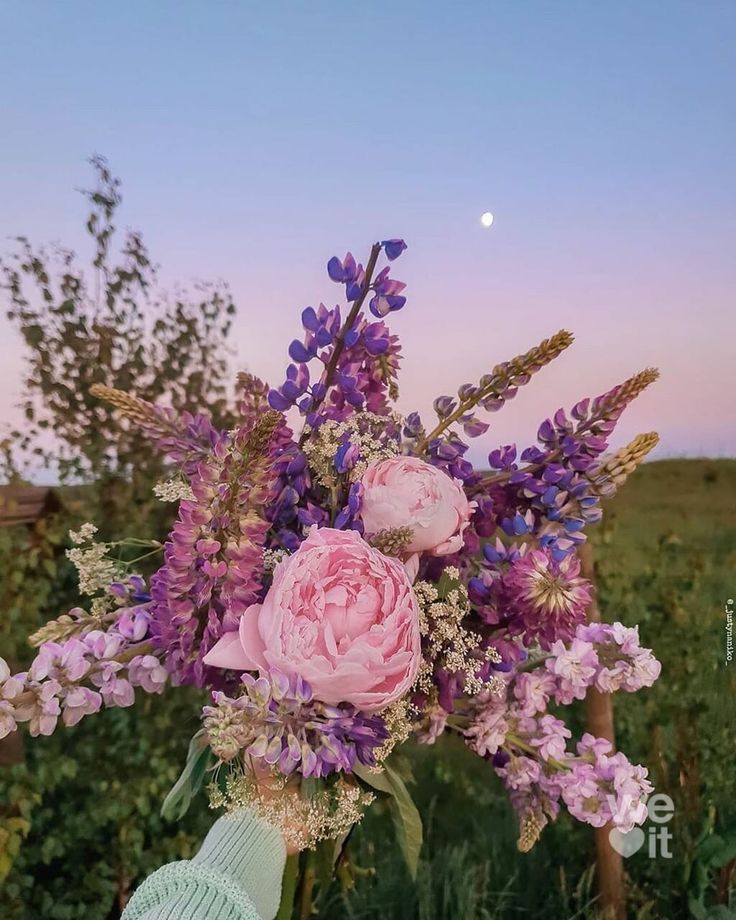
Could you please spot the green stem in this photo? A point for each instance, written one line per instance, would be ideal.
(288, 887)
(516, 742)
(531, 664)
(308, 880)
(329, 373)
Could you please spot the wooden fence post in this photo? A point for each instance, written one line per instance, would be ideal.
(599, 721)
(22, 504)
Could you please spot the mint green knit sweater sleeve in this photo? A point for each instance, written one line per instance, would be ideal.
(236, 875)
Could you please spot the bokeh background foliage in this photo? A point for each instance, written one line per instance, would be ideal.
(79, 813)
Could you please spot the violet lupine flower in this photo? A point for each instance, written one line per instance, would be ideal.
(347, 272)
(276, 720)
(548, 598)
(349, 517)
(184, 437)
(448, 453)
(555, 490)
(364, 373)
(393, 248)
(387, 297)
(551, 503)
(253, 398)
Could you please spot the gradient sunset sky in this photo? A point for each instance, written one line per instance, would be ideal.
(255, 140)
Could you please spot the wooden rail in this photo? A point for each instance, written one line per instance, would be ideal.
(26, 504)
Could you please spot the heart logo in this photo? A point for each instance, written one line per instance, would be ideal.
(626, 844)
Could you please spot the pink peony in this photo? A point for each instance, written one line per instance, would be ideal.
(407, 492)
(339, 614)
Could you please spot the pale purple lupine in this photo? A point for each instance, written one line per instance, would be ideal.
(59, 678)
(78, 703)
(146, 671)
(115, 688)
(10, 687)
(133, 624)
(44, 714)
(277, 721)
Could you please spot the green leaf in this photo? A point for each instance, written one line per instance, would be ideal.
(406, 817)
(199, 758)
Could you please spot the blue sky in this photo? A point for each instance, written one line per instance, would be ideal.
(256, 140)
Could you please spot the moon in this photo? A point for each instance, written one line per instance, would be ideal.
(486, 218)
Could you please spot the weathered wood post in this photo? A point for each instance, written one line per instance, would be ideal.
(22, 505)
(599, 721)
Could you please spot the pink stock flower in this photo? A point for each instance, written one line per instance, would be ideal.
(407, 492)
(488, 731)
(624, 664)
(551, 742)
(340, 615)
(533, 691)
(574, 666)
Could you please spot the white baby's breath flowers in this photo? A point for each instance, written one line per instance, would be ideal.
(83, 535)
(303, 822)
(447, 640)
(367, 433)
(173, 490)
(95, 569)
(272, 557)
(398, 718)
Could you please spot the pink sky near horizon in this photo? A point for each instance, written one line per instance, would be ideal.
(612, 188)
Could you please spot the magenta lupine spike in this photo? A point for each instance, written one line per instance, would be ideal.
(213, 560)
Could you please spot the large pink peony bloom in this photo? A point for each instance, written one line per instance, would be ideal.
(407, 492)
(339, 614)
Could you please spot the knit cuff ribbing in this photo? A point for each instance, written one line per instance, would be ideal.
(236, 875)
(249, 851)
(187, 890)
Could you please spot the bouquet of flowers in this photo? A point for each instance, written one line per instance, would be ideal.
(342, 582)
